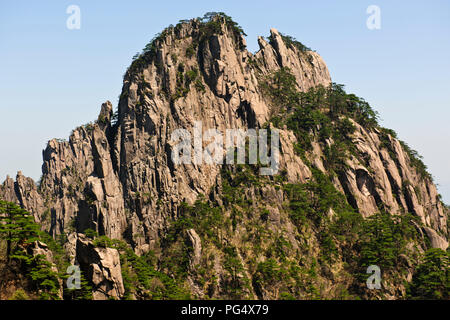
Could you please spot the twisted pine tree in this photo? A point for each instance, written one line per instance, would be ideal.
(17, 227)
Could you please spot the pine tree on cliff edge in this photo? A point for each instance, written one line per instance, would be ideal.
(17, 227)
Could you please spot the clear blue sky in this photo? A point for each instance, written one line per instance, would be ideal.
(53, 79)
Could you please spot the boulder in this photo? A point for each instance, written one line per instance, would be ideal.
(101, 266)
(436, 240)
(196, 243)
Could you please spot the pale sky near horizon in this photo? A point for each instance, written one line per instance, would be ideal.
(53, 79)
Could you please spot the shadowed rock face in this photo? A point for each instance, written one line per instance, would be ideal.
(93, 178)
(118, 178)
(102, 267)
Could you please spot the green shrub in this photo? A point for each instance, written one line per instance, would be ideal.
(84, 293)
(268, 272)
(291, 42)
(190, 51)
(103, 242)
(199, 86)
(211, 24)
(383, 239)
(19, 294)
(416, 161)
(45, 280)
(90, 233)
(138, 272)
(431, 279)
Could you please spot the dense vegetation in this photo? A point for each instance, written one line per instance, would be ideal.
(316, 208)
(140, 274)
(46, 279)
(19, 231)
(208, 25)
(431, 279)
(237, 233)
(261, 237)
(324, 114)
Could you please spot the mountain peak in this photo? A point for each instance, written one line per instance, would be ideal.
(341, 178)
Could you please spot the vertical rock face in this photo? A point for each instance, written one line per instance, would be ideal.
(120, 181)
(39, 248)
(102, 267)
(308, 67)
(24, 191)
(116, 175)
(196, 244)
(79, 183)
(389, 181)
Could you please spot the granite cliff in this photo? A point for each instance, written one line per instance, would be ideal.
(216, 230)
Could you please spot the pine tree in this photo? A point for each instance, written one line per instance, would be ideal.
(84, 293)
(17, 227)
(44, 278)
(431, 279)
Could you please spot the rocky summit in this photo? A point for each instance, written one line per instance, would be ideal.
(348, 193)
